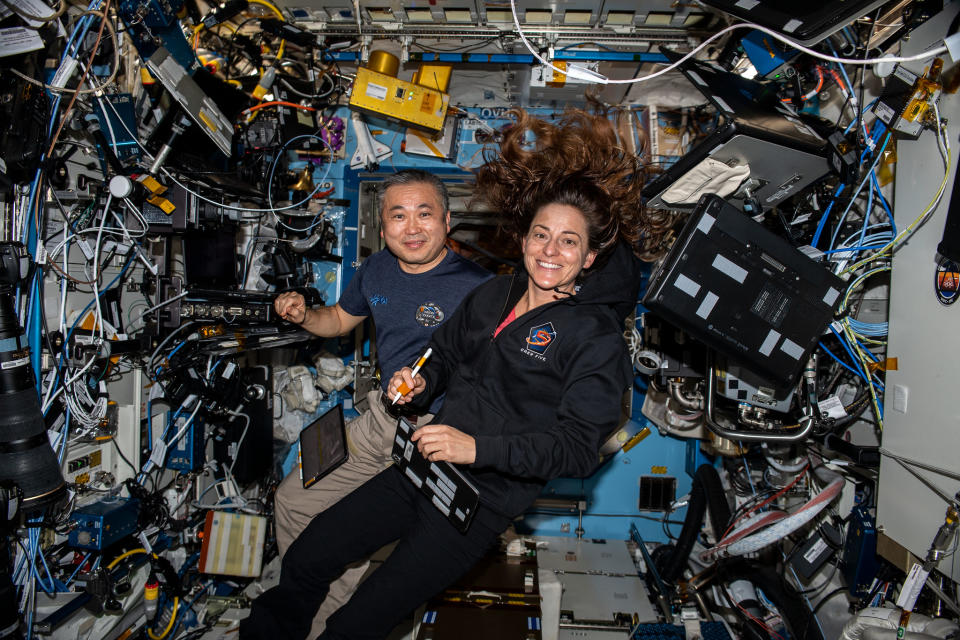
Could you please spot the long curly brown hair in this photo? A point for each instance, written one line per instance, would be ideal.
(578, 161)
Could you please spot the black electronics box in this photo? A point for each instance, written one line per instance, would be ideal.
(810, 556)
(498, 598)
(804, 22)
(779, 148)
(498, 579)
(745, 292)
(444, 621)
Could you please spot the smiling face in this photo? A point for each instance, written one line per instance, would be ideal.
(556, 249)
(414, 226)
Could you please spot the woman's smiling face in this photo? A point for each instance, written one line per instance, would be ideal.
(556, 248)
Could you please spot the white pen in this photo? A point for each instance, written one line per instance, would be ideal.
(403, 388)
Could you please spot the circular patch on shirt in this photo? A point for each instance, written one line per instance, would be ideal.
(429, 314)
(947, 281)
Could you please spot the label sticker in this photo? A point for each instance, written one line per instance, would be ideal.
(64, 72)
(814, 552)
(707, 305)
(912, 587)
(792, 349)
(414, 478)
(771, 305)
(444, 509)
(831, 296)
(722, 104)
(687, 285)
(769, 342)
(831, 407)
(12, 364)
(376, 91)
(885, 113)
(728, 267)
(706, 223)
(792, 25)
(16, 40)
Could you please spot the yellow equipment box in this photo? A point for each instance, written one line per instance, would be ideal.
(388, 97)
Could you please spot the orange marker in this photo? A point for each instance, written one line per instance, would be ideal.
(403, 389)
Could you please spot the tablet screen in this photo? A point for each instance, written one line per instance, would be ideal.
(323, 446)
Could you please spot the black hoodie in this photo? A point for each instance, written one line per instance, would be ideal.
(541, 397)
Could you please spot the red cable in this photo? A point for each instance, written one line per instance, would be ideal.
(802, 473)
(757, 620)
(276, 103)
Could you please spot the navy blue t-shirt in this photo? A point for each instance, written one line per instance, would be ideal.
(408, 307)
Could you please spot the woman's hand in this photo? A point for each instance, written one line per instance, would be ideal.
(407, 384)
(443, 442)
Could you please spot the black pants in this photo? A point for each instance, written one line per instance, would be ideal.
(431, 554)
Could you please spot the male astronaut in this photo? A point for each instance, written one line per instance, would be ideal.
(409, 289)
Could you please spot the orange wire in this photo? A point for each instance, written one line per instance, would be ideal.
(277, 103)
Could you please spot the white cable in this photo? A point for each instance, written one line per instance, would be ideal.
(186, 424)
(145, 226)
(164, 342)
(162, 304)
(59, 247)
(222, 205)
(98, 315)
(242, 436)
(576, 71)
(113, 137)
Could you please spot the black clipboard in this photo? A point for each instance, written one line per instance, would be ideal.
(323, 446)
(442, 482)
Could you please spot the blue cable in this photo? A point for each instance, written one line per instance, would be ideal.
(33, 539)
(186, 606)
(840, 362)
(856, 248)
(853, 198)
(871, 329)
(214, 367)
(866, 213)
(883, 201)
(826, 214)
(856, 361)
(176, 348)
(746, 467)
(79, 566)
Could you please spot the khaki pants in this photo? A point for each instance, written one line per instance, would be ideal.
(370, 441)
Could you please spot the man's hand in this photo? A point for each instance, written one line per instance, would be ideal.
(291, 307)
(408, 384)
(443, 442)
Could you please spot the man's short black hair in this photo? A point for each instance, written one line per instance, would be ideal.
(416, 176)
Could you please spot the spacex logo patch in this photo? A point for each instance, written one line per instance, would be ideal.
(539, 340)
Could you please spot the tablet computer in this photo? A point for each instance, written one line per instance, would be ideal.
(442, 482)
(323, 446)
